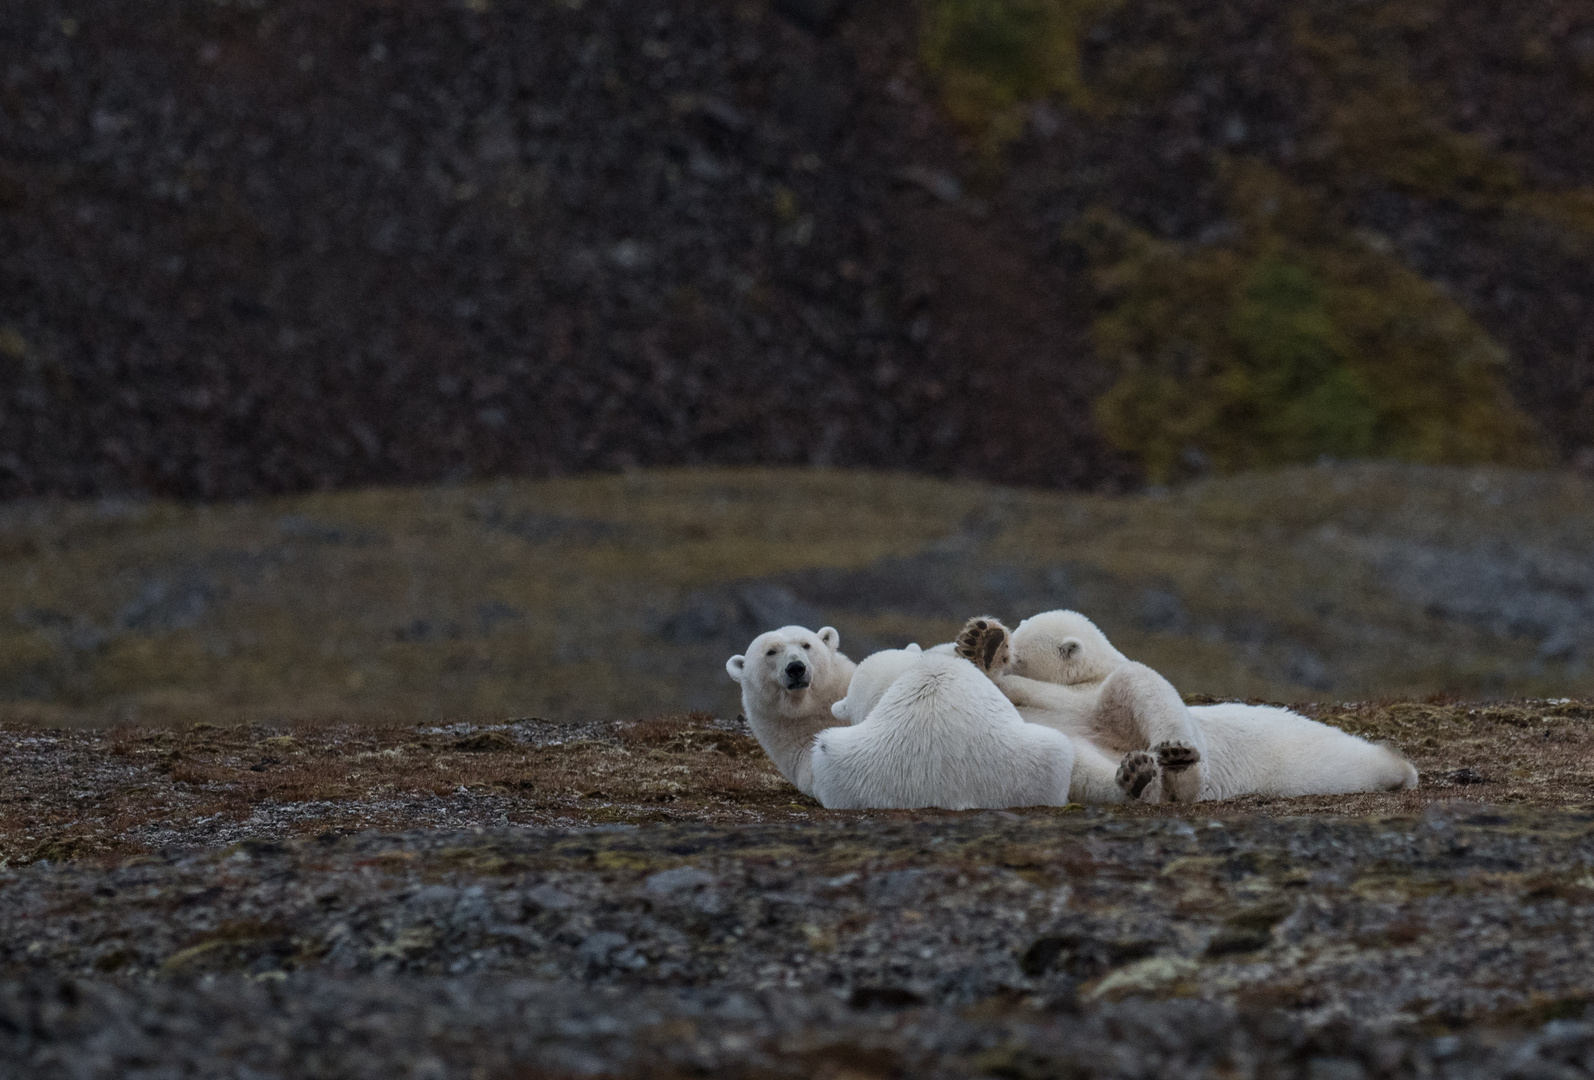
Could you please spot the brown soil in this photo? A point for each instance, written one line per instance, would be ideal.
(115, 792)
(648, 899)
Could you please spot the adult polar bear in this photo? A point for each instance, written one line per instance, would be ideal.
(790, 678)
(794, 682)
(1059, 669)
(931, 730)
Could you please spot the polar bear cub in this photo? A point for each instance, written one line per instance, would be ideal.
(1246, 749)
(790, 678)
(1060, 670)
(927, 729)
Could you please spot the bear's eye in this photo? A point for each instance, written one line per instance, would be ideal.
(805, 644)
(770, 653)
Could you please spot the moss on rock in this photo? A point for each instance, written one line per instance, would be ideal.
(1287, 342)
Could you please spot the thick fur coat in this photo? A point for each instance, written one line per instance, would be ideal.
(1061, 671)
(928, 729)
(1267, 750)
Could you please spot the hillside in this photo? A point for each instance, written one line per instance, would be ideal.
(622, 596)
(263, 246)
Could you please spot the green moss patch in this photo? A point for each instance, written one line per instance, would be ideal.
(992, 57)
(1287, 343)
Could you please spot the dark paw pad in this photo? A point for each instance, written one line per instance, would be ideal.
(984, 641)
(1177, 756)
(1136, 772)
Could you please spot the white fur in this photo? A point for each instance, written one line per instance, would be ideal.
(1266, 750)
(930, 730)
(785, 718)
(1066, 674)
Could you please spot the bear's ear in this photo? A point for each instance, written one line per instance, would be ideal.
(1070, 648)
(831, 639)
(735, 666)
(913, 647)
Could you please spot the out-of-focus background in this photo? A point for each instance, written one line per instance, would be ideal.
(401, 359)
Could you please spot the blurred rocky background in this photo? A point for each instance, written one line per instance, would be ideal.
(361, 285)
(262, 246)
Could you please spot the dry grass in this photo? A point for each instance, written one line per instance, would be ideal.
(126, 790)
(122, 789)
(548, 598)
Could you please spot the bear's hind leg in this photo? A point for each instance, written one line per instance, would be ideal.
(1136, 773)
(1138, 708)
(1095, 777)
(1176, 760)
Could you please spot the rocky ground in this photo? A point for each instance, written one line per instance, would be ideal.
(650, 899)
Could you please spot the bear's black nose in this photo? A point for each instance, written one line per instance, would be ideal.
(795, 669)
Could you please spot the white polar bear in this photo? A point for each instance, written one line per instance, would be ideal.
(1061, 670)
(790, 678)
(1097, 778)
(932, 730)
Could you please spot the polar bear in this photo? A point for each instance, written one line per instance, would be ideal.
(1245, 749)
(927, 729)
(1060, 670)
(790, 678)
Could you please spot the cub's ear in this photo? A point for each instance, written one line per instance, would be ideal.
(1070, 648)
(831, 639)
(735, 667)
(913, 647)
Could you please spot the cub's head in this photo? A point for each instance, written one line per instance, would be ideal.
(1063, 647)
(870, 682)
(786, 661)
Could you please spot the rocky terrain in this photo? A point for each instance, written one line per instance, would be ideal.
(261, 246)
(647, 899)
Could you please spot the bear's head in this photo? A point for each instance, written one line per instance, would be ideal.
(871, 681)
(787, 661)
(1063, 647)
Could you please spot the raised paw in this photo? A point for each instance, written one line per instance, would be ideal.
(1136, 772)
(1176, 756)
(984, 641)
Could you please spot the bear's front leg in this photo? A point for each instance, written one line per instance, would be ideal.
(984, 642)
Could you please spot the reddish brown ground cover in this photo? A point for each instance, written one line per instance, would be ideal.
(124, 790)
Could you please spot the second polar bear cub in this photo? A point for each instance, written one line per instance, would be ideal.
(931, 730)
(1248, 749)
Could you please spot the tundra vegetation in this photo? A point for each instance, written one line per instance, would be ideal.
(596, 597)
(633, 898)
(262, 808)
(1287, 329)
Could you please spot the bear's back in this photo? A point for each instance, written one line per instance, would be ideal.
(942, 735)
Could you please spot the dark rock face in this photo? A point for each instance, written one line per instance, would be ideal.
(252, 248)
